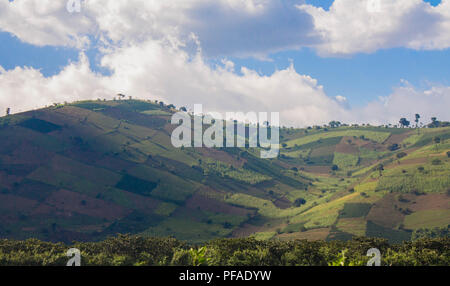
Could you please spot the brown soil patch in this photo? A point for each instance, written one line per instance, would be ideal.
(84, 156)
(428, 202)
(11, 203)
(221, 156)
(115, 164)
(28, 154)
(385, 213)
(246, 230)
(367, 144)
(323, 151)
(397, 138)
(282, 203)
(347, 148)
(144, 204)
(317, 169)
(215, 206)
(68, 202)
(8, 180)
(406, 162)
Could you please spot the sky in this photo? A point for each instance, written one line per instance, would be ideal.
(356, 61)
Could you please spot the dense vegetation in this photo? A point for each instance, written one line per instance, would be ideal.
(138, 251)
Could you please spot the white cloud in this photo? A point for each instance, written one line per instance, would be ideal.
(225, 27)
(26, 88)
(352, 26)
(235, 27)
(164, 71)
(45, 22)
(148, 53)
(406, 101)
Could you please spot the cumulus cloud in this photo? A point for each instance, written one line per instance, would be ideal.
(369, 25)
(164, 71)
(235, 27)
(225, 27)
(145, 45)
(149, 70)
(45, 22)
(406, 101)
(26, 88)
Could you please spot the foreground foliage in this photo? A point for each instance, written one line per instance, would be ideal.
(126, 250)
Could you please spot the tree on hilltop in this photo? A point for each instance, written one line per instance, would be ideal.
(404, 122)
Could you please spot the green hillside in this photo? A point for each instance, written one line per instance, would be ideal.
(91, 169)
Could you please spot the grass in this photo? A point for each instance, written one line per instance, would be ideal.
(301, 153)
(345, 160)
(264, 235)
(66, 181)
(165, 209)
(156, 112)
(148, 147)
(394, 236)
(221, 218)
(353, 210)
(295, 227)
(265, 207)
(371, 135)
(356, 225)
(39, 125)
(322, 215)
(239, 174)
(434, 179)
(428, 219)
(136, 185)
(192, 231)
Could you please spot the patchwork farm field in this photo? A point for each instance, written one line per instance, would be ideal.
(88, 170)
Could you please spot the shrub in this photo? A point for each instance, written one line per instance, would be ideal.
(436, 162)
(401, 155)
(133, 250)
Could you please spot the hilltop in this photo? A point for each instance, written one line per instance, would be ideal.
(91, 169)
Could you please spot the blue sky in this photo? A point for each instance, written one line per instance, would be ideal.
(361, 77)
(268, 39)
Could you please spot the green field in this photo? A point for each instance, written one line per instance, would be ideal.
(91, 169)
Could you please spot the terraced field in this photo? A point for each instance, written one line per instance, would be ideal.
(87, 170)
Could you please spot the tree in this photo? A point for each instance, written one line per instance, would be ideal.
(334, 168)
(299, 202)
(393, 147)
(417, 122)
(334, 124)
(434, 123)
(380, 169)
(417, 119)
(404, 122)
(436, 141)
(183, 109)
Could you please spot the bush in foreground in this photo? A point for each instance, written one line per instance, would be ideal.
(126, 250)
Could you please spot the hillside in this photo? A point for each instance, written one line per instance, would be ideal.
(87, 170)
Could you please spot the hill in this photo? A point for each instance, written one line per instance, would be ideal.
(87, 170)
